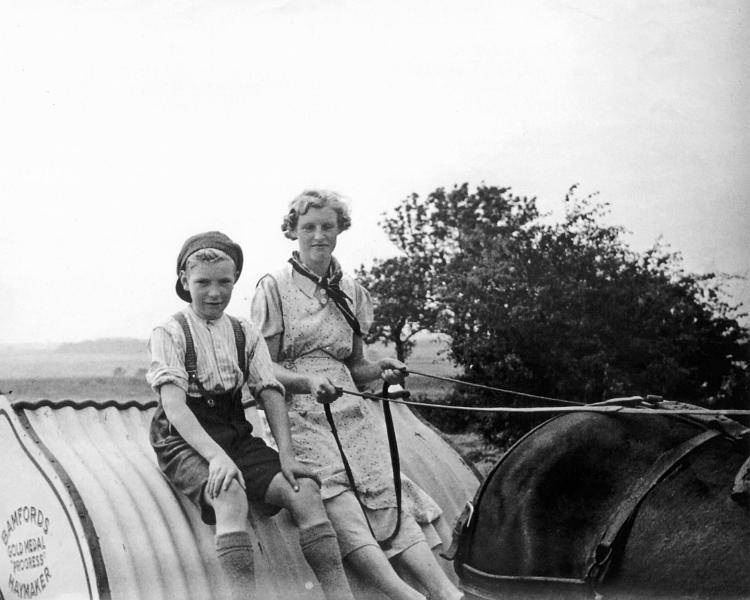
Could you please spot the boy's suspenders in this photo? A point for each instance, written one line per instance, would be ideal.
(191, 360)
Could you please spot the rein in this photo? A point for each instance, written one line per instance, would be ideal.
(599, 408)
(395, 463)
(629, 405)
(331, 284)
(490, 388)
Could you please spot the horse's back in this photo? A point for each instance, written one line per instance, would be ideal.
(689, 533)
(545, 508)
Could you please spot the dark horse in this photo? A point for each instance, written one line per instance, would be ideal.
(612, 505)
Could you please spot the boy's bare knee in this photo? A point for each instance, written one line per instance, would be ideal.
(309, 487)
(308, 495)
(306, 505)
(232, 500)
(231, 509)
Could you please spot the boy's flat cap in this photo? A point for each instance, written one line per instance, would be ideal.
(199, 241)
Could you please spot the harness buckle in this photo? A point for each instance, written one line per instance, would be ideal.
(600, 563)
(462, 523)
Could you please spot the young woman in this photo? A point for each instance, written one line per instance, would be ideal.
(313, 317)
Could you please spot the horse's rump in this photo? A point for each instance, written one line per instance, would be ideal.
(657, 487)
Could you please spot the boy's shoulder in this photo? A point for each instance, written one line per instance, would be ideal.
(173, 327)
(241, 320)
(251, 329)
(171, 324)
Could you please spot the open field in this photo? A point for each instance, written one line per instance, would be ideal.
(51, 364)
(48, 374)
(54, 374)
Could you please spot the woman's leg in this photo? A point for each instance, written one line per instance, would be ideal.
(423, 566)
(233, 544)
(363, 554)
(372, 565)
(316, 535)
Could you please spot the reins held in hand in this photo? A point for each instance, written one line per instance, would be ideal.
(393, 447)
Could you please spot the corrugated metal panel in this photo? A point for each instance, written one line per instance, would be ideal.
(151, 542)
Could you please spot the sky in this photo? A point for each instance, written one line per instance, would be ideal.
(125, 127)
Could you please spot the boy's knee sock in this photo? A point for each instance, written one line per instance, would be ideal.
(321, 550)
(235, 552)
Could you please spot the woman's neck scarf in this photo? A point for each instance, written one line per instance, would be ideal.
(330, 282)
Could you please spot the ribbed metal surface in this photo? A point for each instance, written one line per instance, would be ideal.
(152, 542)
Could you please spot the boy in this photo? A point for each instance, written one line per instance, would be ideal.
(200, 359)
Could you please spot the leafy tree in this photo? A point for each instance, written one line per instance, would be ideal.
(403, 303)
(403, 287)
(563, 310)
(430, 233)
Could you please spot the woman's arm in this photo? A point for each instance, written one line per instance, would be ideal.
(266, 312)
(221, 468)
(295, 383)
(364, 371)
(301, 383)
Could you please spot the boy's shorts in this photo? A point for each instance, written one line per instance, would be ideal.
(348, 520)
(188, 471)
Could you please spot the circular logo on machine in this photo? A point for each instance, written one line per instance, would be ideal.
(24, 537)
(44, 552)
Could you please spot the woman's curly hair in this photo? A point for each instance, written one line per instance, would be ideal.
(315, 199)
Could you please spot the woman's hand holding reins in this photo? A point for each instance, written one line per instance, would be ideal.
(323, 389)
(392, 371)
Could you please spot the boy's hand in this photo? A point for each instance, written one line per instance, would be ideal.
(291, 468)
(323, 389)
(221, 471)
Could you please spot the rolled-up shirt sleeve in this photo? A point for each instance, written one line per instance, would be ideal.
(260, 367)
(167, 360)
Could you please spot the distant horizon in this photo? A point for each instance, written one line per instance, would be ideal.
(56, 345)
(422, 336)
(27, 362)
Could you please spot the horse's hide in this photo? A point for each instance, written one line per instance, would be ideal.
(541, 513)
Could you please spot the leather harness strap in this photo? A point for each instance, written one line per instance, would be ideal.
(340, 300)
(601, 557)
(395, 466)
(239, 341)
(741, 487)
(191, 360)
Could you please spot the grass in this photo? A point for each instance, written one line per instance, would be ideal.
(475, 449)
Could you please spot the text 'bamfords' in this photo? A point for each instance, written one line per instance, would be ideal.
(21, 516)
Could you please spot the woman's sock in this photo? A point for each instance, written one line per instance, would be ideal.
(321, 550)
(235, 552)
